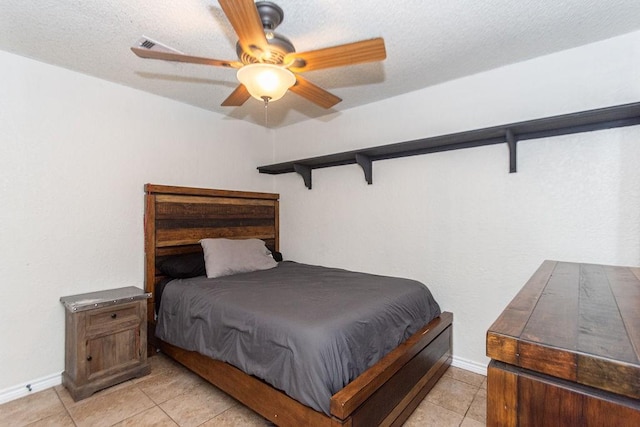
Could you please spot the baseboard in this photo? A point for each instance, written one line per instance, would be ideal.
(39, 384)
(469, 365)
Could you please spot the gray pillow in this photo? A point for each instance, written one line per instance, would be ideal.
(223, 257)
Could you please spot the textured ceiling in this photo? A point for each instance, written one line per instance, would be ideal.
(427, 41)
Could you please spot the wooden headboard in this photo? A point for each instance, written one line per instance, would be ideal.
(176, 218)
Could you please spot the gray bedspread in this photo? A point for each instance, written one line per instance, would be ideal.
(304, 329)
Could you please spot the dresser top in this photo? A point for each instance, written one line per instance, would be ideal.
(579, 322)
(105, 298)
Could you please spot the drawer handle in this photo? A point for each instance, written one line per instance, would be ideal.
(114, 315)
(89, 358)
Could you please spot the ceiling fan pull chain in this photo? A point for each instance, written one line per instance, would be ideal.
(266, 110)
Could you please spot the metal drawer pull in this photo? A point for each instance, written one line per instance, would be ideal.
(114, 315)
(89, 358)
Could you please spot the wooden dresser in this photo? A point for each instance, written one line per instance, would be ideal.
(566, 350)
(105, 340)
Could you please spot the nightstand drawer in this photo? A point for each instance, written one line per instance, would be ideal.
(110, 320)
(112, 314)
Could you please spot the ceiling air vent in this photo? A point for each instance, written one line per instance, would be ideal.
(148, 44)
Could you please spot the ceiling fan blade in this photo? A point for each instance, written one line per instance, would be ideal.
(337, 56)
(146, 48)
(313, 93)
(245, 20)
(238, 97)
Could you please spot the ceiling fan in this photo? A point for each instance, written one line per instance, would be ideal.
(268, 64)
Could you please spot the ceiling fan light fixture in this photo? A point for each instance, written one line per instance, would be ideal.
(266, 81)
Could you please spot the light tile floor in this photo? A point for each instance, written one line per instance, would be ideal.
(173, 396)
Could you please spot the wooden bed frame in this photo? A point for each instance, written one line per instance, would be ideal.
(176, 218)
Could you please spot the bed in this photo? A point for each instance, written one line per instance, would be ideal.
(177, 218)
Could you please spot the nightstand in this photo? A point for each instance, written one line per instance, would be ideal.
(105, 339)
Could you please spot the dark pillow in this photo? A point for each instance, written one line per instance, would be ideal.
(277, 256)
(183, 266)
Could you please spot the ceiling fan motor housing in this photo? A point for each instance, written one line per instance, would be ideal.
(270, 13)
(271, 16)
(279, 47)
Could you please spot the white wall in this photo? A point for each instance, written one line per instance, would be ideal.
(75, 154)
(458, 221)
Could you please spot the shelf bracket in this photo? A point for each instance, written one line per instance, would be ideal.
(512, 142)
(367, 166)
(304, 172)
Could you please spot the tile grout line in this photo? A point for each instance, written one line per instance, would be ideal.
(157, 405)
(137, 413)
(236, 404)
(65, 407)
(477, 390)
(464, 417)
(167, 414)
(215, 416)
(471, 404)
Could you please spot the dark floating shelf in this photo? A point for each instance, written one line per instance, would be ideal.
(584, 121)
